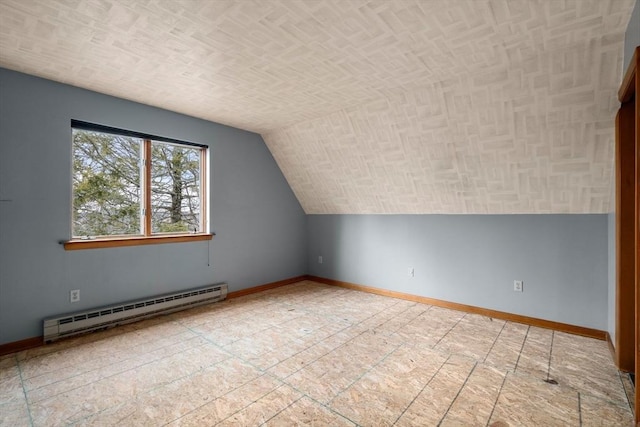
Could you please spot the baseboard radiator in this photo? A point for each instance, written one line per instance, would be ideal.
(120, 314)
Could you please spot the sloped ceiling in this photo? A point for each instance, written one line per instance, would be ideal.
(395, 106)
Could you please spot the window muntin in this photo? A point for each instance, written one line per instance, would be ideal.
(124, 185)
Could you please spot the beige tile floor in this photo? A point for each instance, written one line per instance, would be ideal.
(311, 354)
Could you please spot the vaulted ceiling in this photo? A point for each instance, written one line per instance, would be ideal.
(392, 106)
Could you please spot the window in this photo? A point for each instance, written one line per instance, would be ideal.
(134, 188)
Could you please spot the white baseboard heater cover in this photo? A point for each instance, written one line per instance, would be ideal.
(120, 314)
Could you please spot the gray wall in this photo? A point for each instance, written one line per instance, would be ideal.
(474, 259)
(260, 224)
(632, 35)
(611, 288)
(631, 40)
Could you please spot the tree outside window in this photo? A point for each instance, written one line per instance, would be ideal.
(126, 185)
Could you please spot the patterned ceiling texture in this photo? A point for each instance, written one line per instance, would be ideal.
(389, 106)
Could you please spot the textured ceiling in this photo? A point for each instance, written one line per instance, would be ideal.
(396, 106)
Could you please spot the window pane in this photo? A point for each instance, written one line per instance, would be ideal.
(175, 188)
(106, 184)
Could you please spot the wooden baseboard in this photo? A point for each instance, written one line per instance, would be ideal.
(28, 343)
(532, 321)
(265, 287)
(16, 346)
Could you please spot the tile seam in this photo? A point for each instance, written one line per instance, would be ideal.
(229, 392)
(422, 389)
(24, 391)
(494, 342)
(277, 413)
(515, 368)
(475, 365)
(495, 403)
(147, 392)
(449, 331)
(553, 335)
(102, 367)
(579, 410)
(122, 372)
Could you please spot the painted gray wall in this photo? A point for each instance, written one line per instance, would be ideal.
(632, 35)
(474, 259)
(260, 226)
(631, 40)
(611, 288)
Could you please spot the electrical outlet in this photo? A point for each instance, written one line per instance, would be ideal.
(410, 272)
(74, 295)
(320, 259)
(518, 285)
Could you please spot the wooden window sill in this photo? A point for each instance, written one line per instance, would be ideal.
(115, 242)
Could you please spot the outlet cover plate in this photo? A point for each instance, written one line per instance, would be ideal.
(518, 285)
(74, 295)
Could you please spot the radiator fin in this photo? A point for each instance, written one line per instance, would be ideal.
(107, 317)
